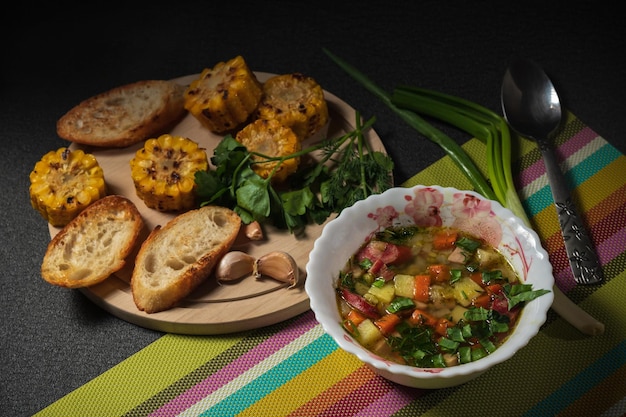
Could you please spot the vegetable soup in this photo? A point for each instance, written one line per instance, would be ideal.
(430, 297)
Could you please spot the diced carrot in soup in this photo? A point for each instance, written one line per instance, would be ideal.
(439, 272)
(422, 288)
(444, 239)
(388, 323)
(442, 325)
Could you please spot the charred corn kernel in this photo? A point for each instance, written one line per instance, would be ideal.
(270, 139)
(225, 96)
(295, 100)
(63, 183)
(164, 170)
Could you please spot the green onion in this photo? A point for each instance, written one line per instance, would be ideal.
(476, 120)
(456, 153)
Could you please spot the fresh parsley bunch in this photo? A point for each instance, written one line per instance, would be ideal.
(348, 171)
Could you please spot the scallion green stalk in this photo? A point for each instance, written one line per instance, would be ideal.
(470, 117)
(456, 153)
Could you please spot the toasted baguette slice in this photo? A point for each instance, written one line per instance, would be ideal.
(94, 244)
(124, 115)
(179, 256)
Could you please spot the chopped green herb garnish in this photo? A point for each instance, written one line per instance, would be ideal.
(455, 275)
(456, 334)
(366, 264)
(476, 314)
(397, 235)
(467, 244)
(490, 276)
(521, 293)
(400, 303)
(378, 283)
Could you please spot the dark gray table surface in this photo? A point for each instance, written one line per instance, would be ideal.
(54, 340)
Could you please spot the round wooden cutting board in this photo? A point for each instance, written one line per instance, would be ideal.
(215, 308)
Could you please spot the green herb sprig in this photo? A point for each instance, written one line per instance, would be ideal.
(347, 171)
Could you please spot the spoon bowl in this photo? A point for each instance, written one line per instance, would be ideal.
(532, 108)
(529, 101)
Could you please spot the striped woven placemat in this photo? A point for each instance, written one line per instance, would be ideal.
(294, 368)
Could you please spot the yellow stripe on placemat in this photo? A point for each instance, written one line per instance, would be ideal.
(137, 378)
(290, 396)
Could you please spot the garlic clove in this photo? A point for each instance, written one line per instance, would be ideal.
(234, 265)
(278, 265)
(253, 231)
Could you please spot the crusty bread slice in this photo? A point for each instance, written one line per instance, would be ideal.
(176, 258)
(94, 244)
(124, 115)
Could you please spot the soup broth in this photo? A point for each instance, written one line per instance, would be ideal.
(430, 297)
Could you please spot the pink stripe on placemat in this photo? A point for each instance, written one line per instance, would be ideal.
(392, 401)
(567, 149)
(576, 142)
(242, 364)
(612, 247)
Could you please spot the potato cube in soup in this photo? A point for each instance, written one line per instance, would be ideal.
(367, 333)
(457, 313)
(465, 290)
(404, 285)
(384, 294)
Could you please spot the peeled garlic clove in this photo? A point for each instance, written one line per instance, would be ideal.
(278, 265)
(234, 265)
(253, 231)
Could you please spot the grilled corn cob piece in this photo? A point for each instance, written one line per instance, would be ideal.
(65, 182)
(271, 139)
(295, 100)
(223, 97)
(163, 172)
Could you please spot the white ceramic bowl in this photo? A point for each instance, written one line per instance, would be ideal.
(428, 205)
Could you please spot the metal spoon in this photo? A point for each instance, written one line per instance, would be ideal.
(532, 108)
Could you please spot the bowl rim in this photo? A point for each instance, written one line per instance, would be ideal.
(524, 331)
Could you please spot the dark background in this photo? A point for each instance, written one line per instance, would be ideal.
(54, 340)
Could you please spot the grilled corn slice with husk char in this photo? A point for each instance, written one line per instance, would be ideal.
(163, 172)
(225, 96)
(271, 139)
(63, 183)
(295, 100)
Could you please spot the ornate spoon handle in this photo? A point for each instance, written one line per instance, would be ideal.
(580, 251)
